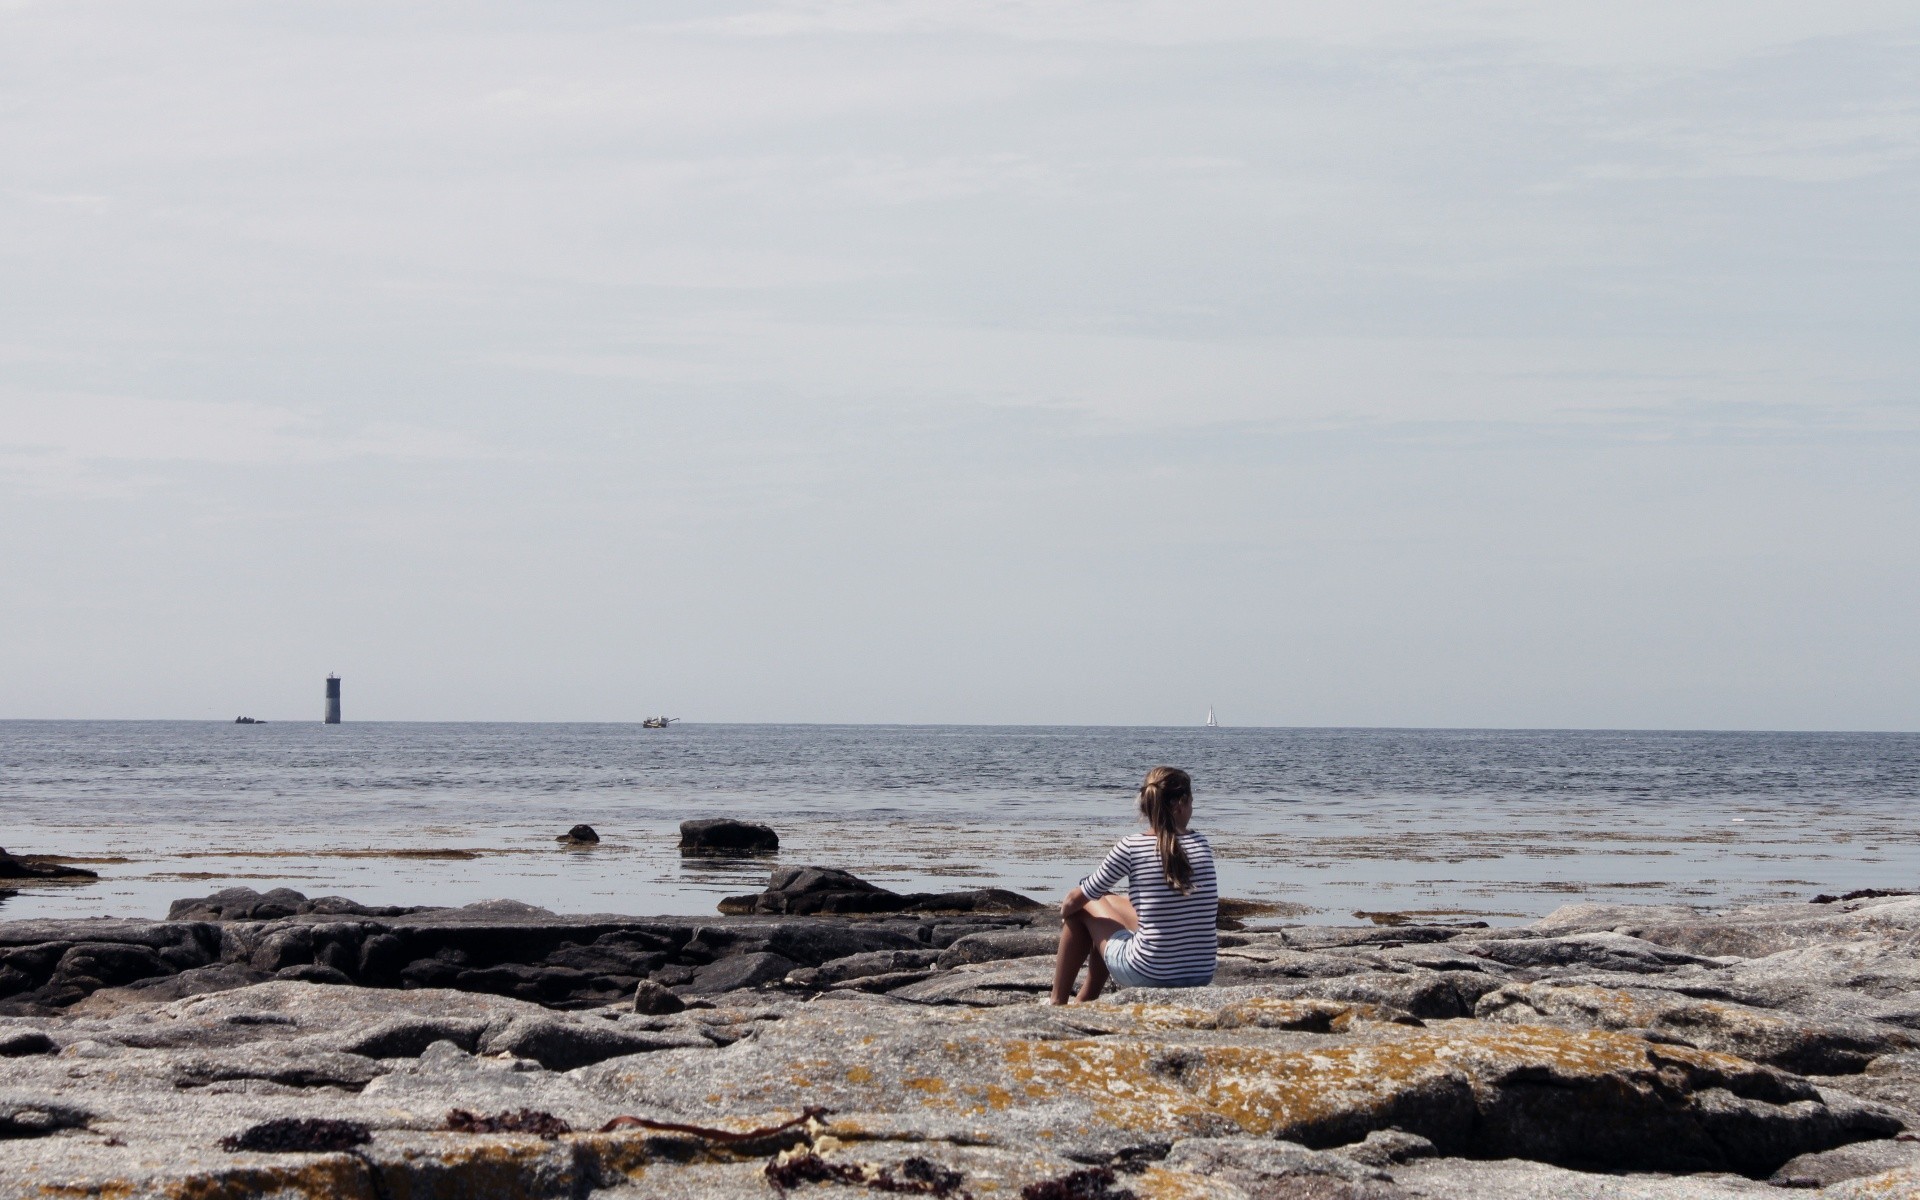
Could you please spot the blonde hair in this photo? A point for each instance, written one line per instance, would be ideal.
(1160, 798)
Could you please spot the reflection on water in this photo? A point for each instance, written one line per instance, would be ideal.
(1501, 824)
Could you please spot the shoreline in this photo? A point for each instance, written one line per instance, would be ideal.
(1699, 1053)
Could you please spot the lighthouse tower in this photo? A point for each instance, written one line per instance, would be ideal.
(333, 699)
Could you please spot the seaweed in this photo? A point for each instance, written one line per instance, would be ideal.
(1095, 1183)
(918, 1176)
(299, 1135)
(527, 1120)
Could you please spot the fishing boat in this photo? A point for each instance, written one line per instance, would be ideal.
(658, 722)
(1211, 723)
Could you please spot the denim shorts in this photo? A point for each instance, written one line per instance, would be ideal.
(1119, 958)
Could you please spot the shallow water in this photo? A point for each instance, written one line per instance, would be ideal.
(1502, 825)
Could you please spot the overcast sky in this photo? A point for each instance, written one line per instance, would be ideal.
(1436, 363)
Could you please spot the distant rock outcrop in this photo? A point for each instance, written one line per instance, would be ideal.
(33, 867)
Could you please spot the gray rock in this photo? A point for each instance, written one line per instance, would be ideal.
(1000, 944)
(1847, 1162)
(1513, 1179)
(18, 1043)
(110, 964)
(313, 973)
(199, 981)
(984, 985)
(562, 1045)
(1244, 1161)
(651, 999)
(292, 1065)
(37, 1116)
(1767, 1036)
(883, 983)
(1389, 1147)
(740, 971)
(1593, 951)
(409, 1037)
(862, 966)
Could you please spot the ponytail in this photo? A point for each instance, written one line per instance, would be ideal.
(1160, 798)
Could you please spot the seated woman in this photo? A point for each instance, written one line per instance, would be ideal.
(1161, 933)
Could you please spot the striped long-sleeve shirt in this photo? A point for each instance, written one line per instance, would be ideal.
(1177, 934)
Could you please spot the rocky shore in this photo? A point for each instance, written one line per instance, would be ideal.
(830, 1038)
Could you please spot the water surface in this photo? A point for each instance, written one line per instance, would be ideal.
(1503, 825)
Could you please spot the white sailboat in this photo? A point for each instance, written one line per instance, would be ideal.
(1211, 723)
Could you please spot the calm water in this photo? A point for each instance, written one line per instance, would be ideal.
(1504, 825)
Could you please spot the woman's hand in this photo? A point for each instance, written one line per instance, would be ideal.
(1075, 901)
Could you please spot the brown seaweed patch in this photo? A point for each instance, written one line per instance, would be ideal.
(450, 854)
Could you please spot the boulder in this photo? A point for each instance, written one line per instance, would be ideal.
(653, 1000)
(721, 837)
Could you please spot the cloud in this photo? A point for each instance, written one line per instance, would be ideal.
(95, 444)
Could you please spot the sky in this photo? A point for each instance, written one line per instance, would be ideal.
(1415, 364)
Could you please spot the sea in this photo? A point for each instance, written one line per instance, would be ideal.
(1320, 825)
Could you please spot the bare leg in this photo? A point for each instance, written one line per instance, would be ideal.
(1082, 939)
(1075, 943)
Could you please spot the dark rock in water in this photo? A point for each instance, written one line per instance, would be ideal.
(18, 1043)
(37, 868)
(802, 890)
(652, 1000)
(580, 835)
(245, 904)
(722, 837)
(975, 900)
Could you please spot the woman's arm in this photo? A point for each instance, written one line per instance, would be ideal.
(1075, 901)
